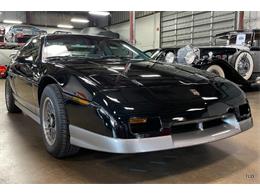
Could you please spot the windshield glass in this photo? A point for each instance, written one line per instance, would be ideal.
(95, 48)
(236, 38)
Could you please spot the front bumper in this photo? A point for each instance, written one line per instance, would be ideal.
(87, 139)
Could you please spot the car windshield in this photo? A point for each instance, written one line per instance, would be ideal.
(234, 38)
(86, 47)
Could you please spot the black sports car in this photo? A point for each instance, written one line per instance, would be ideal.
(103, 94)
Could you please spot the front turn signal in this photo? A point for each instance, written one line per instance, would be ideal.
(137, 120)
(80, 101)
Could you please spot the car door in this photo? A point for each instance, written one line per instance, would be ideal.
(255, 50)
(23, 73)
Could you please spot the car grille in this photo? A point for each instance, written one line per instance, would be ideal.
(196, 125)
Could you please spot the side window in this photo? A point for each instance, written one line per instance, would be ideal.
(31, 49)
(161, 57)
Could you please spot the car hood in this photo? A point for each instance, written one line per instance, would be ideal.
(152, 88)
(114, 74)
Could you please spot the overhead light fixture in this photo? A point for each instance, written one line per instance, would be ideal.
(99, 13)
(79, 20)
(12, 21)
(65, 26)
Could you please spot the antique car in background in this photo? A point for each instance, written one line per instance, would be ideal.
(3, 71)
(237, 61)
(104, 94)
(241, 49)
(22, 33)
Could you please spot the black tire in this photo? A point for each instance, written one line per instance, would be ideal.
(9, 99)
(61, 146)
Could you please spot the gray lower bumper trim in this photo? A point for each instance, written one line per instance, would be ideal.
(87, 139)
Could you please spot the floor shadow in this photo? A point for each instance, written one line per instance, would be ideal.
(252, 88)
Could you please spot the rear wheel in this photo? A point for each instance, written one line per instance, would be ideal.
(216, 69)
(54, 122)
(9, 98)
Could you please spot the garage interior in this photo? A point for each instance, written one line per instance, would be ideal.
(233, 160)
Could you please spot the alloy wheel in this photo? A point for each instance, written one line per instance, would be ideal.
(49, 121)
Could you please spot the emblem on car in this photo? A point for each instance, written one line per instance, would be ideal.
(194, 92)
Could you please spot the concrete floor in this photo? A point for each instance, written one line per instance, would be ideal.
(23, 158)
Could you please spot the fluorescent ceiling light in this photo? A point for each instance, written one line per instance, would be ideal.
(79, 20)
(99, 13)
(12, 21)
(64, 26)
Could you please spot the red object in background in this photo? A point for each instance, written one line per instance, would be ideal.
(3, 71)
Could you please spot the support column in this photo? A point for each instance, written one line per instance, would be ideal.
(132, 27)
(241, 20)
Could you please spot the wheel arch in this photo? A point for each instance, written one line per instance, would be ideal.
(46, 80)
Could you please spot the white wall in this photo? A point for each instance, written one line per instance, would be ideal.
(147, 31)
(252, 20)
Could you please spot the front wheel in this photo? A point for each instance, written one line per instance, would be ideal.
(244, 64)
(54, 122)
(216, 69)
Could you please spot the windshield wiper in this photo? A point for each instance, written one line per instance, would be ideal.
(57, 58)
(62, 58)
(114, 57)
(119, 57)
